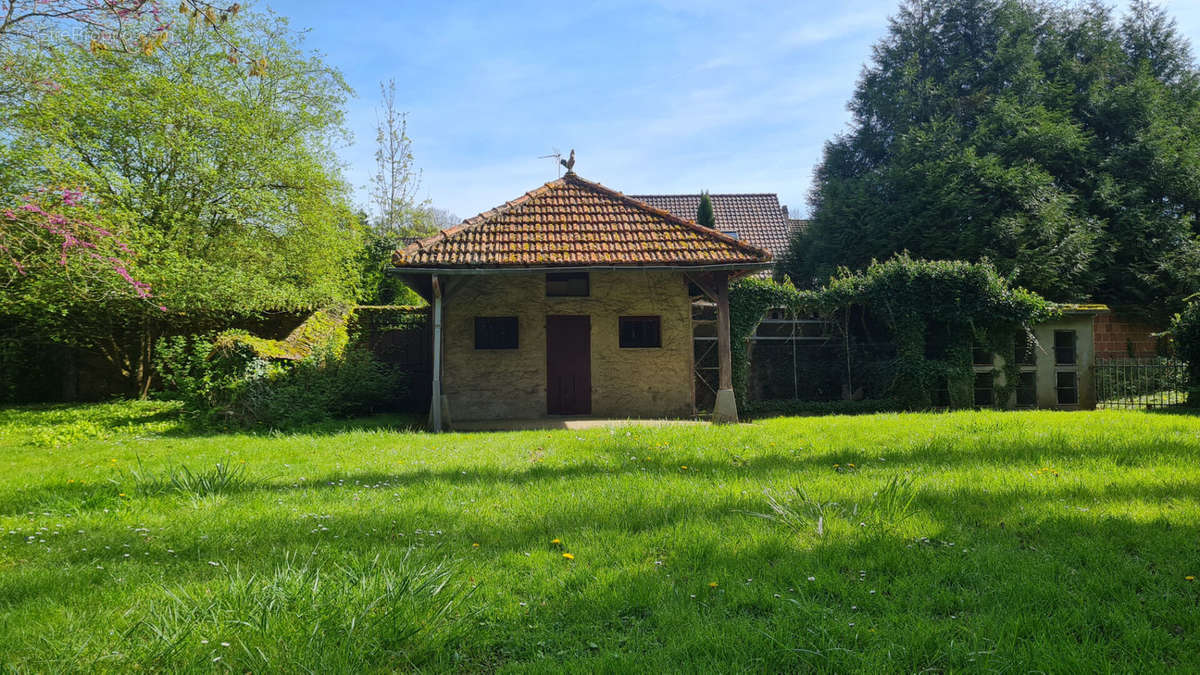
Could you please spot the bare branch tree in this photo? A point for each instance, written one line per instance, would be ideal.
(396, 181)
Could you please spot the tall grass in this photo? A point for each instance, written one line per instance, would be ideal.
(880, 515)
(224, 478)
(387, 611)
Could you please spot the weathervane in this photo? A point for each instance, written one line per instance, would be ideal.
(569, 162)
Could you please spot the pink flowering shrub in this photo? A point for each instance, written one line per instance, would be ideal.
(51, 229)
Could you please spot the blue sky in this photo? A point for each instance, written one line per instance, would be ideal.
(665, 96)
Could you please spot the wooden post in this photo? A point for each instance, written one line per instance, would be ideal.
(725, 410)
(435, 398)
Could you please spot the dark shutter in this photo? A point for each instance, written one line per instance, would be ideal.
(640, 332)
(567, 284)
(496, 332)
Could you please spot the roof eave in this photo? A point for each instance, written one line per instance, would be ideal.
(512, 269)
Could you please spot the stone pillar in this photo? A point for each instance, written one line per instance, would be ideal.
(725, 409)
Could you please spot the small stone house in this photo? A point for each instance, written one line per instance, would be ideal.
(572, 300)
(1057, 371)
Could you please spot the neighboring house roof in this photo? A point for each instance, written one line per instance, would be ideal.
(572, 222)
(757, 218)
(797, 226)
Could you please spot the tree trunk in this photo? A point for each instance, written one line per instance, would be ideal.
(131, 353)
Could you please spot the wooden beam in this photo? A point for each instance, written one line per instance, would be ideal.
(435, 399)
(705, 283)
(723, 350)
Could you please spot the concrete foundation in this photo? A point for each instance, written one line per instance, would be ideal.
(725, 410)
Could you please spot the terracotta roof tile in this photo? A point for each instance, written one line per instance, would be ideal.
(757, 218)
(573, 222)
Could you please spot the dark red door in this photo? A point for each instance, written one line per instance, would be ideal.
(568, 365)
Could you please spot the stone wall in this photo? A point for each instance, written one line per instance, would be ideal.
(501, 383)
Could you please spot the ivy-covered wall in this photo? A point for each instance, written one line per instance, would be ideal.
(1185, 334)
(401, 337)
(934, 312)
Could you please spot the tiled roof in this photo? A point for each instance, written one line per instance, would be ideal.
(797, 225)
(571, 222)
(757, 218)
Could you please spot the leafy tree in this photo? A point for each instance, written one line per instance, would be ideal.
(704, 212)
(220, 182)
(51, 220)
(1056, 142)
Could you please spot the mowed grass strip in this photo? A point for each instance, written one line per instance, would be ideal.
(963, 541)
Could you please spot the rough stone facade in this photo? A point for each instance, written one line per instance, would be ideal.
(482, 384)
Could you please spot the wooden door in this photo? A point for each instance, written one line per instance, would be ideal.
(568, 365)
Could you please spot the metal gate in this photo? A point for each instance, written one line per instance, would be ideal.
(1134, 384)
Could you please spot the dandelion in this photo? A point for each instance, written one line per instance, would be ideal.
(712, 584)
(120, 494)
(475, 545)
(684, 467)
(1189, 578)
(568, 556)
(556, 542)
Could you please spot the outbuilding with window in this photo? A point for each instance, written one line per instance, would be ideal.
(572, 300)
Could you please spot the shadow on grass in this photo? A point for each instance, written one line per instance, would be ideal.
(113, 416)
(920, 583)
(179, 422)
(939, 454)
(1181, 409)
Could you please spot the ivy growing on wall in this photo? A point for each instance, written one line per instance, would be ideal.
(749, 301)
(1185, 333)
(935, 312)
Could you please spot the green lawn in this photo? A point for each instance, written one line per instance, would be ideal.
(966, 541)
